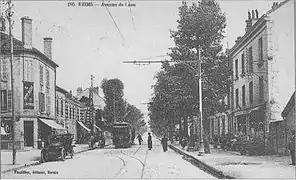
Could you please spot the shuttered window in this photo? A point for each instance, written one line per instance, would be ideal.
(250, 58)
(48, 105)
(41, 102)
(9, 100)
(4, 103)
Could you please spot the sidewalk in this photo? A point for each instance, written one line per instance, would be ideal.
(238, 166)
(28, 157)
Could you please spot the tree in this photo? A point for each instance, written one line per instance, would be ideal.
(115, 104)
(201, 26)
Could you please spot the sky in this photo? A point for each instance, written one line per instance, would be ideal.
(86, 41)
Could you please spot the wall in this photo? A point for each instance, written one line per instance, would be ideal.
(282, 58)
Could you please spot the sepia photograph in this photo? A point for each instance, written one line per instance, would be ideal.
(143, 89)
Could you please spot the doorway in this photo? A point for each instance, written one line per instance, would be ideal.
(28, 133)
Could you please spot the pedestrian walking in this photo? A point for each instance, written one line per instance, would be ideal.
(291, 147)
(139, 137)
(149, 141)
(164, 142)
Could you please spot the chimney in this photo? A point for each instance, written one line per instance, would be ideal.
(96, 90)
(253, 16)
(27, 32)
(237, 39)
(79, 90)
(47, 47)
(274, 5)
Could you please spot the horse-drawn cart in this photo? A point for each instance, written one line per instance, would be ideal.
(58, 146)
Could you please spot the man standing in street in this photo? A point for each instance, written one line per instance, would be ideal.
(164, 142)
(291, 147)
(139, 137)
(149, 141)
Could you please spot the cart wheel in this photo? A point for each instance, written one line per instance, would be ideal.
(63, 155)
(43, 157)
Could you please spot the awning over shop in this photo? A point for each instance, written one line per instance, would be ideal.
(98, 128)
(3, 131)
(52, 124)
(82, 125)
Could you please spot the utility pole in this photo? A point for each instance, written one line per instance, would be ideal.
(91, 104)
(114, 115)
(9, 14)
(200, 97)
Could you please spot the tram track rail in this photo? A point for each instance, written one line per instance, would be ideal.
(137, 159)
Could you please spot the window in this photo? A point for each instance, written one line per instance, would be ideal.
(260, 48)
(3, 70)
(251, 70)
(41, 102)
(62, 108)
(251, 92)
(47, 79)
(70, 112)
(66, 110)
(48, 105)
(236, 69)
(236, 98)
(261, 88)
(41, 74)
(4, 103)
(243, 95)
(243, 64)
(57, 106)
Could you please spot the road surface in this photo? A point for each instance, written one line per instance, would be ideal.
(135, 162)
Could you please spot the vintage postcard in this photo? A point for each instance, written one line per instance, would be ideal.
(105, 89)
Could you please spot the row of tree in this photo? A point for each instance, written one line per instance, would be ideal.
(117, 109)
(176, 98)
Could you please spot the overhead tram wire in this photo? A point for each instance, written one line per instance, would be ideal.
(115, 24)
(133, 22)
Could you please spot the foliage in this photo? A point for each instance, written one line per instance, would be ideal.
(113, 93)
(201, 26)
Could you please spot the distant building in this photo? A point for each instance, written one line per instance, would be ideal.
(34, 75)
(263, 78)
(69, 111)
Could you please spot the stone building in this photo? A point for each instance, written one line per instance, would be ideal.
(34, 79)
(68, 110)
(263, 74)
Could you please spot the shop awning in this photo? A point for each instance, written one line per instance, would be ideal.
(98, 128)
(3, 131)
(52, 124)
(82, 125)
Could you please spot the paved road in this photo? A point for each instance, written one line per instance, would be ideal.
(135, 162)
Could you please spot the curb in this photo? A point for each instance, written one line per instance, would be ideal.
(201, 165)
(33, 164)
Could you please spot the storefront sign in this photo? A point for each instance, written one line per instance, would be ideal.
(28, 95)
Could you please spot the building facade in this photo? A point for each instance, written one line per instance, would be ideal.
(263, 75)
(34, 79)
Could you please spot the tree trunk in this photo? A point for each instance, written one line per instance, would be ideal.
(180, 129)
(206, 137)
(185, 126)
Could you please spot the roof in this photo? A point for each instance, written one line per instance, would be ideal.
(99, 102)
(261, 21)
(278, 6)
(18, 46)
(58, 88)
(289, 106)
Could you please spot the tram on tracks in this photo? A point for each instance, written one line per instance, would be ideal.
(122, 135)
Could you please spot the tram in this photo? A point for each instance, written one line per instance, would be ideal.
(122, 135)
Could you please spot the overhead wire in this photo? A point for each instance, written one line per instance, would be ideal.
(115, 24)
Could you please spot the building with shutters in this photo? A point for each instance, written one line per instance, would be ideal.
(69, 111)
(263, 75)
(34, 75)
